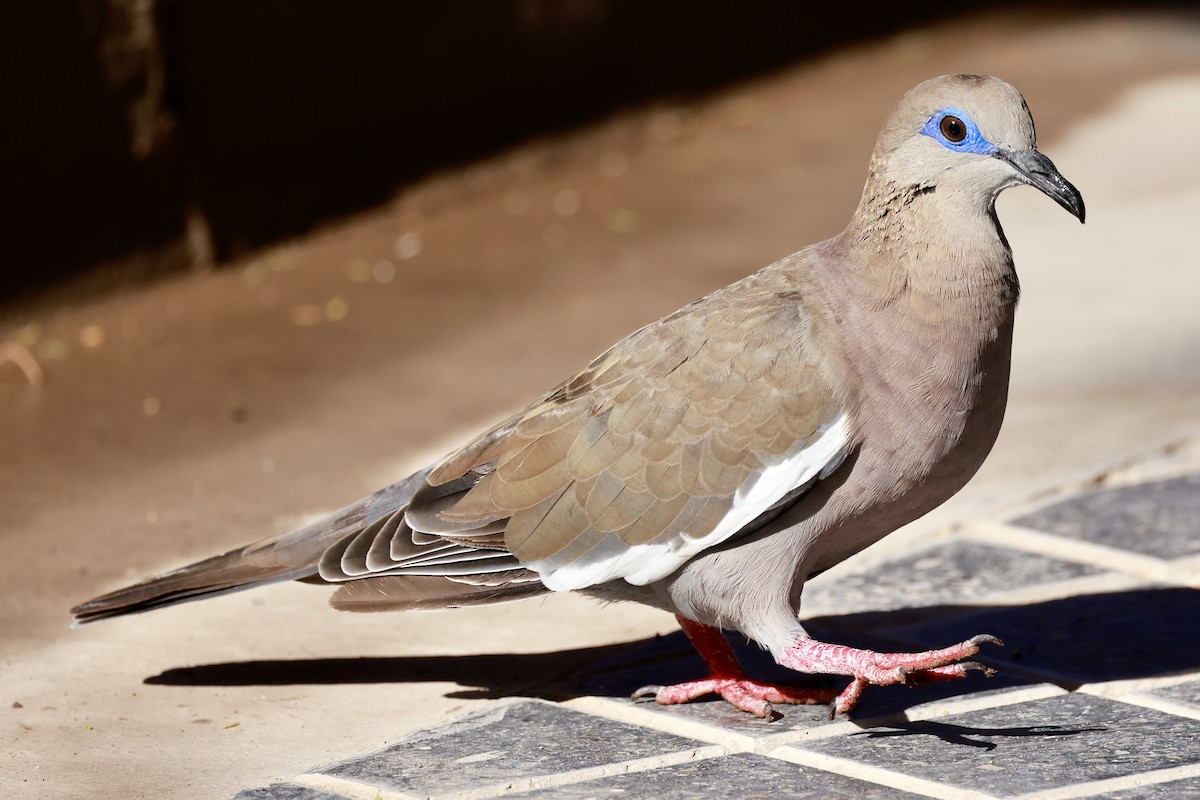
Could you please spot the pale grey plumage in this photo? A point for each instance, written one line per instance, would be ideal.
(714, 460)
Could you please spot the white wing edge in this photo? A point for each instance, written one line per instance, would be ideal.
(646, 563)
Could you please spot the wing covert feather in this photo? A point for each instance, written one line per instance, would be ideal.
(672, 440)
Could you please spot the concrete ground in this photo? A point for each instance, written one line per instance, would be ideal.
(181, 419)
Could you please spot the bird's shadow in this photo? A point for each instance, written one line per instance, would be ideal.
(964, 736)
(1141, 633)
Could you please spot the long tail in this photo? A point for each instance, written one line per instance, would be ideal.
(292, 556)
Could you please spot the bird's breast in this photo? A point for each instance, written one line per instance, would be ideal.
(928, 399)
(932, 400)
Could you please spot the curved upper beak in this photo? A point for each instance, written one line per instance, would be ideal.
(1039, 172)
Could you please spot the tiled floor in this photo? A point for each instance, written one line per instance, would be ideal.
(1098, 693)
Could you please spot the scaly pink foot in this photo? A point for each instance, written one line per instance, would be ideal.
(868, 667)
(728, 680)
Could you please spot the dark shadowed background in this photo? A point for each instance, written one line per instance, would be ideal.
(148, 137)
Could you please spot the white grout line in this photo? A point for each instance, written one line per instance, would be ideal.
(842, 727)
(1119, 688)
(1186, 571)
(349, 789)
(525, 784)
(884, 777)
(1146, 700)
(1110, 558)
(1108, 785)
(1180, 464)
(1162, 704)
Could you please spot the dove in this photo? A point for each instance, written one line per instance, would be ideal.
(713, 461)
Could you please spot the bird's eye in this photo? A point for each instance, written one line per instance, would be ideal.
(953, 129)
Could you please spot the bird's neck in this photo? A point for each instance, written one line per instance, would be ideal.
(941, 241)
(927, 283)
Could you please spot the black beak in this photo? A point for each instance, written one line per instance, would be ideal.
(1039, 172)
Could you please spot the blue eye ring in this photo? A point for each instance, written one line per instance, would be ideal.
(954, 129)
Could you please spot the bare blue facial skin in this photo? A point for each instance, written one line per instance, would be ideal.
(974, 141)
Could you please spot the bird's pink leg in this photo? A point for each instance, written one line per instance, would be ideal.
(727, 679)
(868, 667)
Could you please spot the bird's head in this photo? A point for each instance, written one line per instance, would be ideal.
(968, 135)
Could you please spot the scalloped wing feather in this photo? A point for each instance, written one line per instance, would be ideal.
(671, 442)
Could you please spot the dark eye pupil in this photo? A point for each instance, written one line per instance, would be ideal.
(953, 129)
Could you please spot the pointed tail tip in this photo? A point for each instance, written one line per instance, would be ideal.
(145, 597)
(98, 611)
(166, 589)
(116, 604)
(223, 574)
(97, 608)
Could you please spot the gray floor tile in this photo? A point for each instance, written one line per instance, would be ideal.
(737, 777)
(514, 741)
(1027, 747)
(948, 571)
(1159, 519)
(286, 791)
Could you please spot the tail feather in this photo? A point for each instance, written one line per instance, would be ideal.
(213, 576)
(292, 556)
